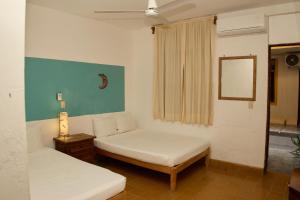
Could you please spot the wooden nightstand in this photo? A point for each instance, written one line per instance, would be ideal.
(80, 146)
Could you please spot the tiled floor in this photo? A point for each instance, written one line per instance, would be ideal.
(198, 182)
(280, 158)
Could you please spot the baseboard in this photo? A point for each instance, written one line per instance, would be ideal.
(235, 168)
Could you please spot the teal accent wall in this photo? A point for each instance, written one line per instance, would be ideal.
(79, 82)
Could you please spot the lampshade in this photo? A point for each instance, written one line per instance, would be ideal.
(63, 124)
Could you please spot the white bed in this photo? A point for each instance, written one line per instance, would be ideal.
(57, 176)
(163, 152)
(153, 147)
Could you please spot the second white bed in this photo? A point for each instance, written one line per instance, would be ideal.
(57, 176)
(153, 147)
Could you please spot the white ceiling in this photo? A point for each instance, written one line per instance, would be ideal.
(187, 8)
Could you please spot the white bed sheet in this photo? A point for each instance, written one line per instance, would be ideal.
(153, 147)
(57, 176)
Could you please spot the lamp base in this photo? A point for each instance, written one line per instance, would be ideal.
(64, 136)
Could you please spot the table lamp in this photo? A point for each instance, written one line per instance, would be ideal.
(63, 124)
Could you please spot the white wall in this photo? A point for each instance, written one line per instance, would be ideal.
(279, 9)
(13, 156)
(286, 107)
(284, 21)
(57, 35)
(238, 132)
(284, 28)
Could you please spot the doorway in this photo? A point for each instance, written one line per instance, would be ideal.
(283, 108)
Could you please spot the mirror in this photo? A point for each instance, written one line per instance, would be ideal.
(237, 78)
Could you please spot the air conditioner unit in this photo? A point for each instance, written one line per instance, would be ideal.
(241, 25)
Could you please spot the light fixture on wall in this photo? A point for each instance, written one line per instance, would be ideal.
(63, 124)
(63, 117)
(59, 97)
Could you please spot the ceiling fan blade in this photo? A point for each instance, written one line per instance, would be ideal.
(171, 4)
(155, 20)
(150, 22)
(161, 19)
(179, 9)
(118, 11)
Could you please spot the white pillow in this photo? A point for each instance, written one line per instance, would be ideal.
(125, 123)
(104, 126)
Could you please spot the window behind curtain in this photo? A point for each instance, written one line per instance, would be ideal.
(183, 70)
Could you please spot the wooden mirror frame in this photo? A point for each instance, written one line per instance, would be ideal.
(253, 98)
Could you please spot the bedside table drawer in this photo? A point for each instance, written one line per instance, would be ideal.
(79, 148)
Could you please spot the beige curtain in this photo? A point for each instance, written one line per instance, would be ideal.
(168, 76)
(183, 70)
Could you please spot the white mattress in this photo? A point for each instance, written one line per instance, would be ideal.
(54, 175)
(153, 147)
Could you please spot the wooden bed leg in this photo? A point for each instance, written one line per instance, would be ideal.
(207, 158)
(173, 180)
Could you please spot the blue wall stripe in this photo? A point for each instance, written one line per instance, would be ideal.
(78, 81)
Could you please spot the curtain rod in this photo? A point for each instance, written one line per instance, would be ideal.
(188, 19)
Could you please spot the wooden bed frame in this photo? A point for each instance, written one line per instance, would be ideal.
(172, 171)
